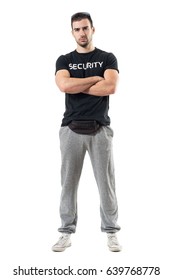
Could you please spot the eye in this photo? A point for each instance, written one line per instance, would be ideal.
(85, 28)
(76, 29)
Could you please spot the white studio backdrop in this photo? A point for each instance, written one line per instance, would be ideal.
(33, 35)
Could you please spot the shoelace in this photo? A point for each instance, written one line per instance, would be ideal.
(113, 240)
(62, 239)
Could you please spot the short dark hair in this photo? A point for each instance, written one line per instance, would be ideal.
(80, 16)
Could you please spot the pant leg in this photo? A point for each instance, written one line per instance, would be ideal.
(101, 154)
(72, 156)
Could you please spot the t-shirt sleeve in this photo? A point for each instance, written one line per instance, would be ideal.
(61, 64)
(112, 62)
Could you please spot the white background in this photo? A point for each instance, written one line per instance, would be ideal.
(33, 34)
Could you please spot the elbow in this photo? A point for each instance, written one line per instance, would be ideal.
(61, 86)
(113, 87)
(112, 90)
(65, 87)
(108, 91)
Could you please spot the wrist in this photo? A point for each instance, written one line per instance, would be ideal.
(98, 79)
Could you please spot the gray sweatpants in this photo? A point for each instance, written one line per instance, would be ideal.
(73, 148)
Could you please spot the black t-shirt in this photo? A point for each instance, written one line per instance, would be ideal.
(81, 65)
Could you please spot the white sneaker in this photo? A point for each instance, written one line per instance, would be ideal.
(63, 243)
(113, 244)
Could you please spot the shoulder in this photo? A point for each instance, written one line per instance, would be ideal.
(105, 54)
(103, 51)
(109, 59)
(66, 56)
(63, 61)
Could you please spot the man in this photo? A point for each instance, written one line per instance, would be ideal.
(87, 76)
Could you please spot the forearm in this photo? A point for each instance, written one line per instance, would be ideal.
(106, 86)
(102, 88)
(77, 85)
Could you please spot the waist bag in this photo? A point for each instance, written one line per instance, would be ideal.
(84, 127)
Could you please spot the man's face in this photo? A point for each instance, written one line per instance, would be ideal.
(82, 32)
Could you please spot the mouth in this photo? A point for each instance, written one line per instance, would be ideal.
(83, 39)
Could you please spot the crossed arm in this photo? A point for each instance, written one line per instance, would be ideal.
(95, 85)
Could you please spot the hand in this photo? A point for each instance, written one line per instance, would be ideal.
(100, 78)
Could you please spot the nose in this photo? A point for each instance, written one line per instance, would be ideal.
(82, 32)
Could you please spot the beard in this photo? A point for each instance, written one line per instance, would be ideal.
(83, 43)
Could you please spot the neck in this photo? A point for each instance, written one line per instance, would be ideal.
(86, 49)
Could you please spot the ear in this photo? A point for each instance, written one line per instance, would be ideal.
(93, 28)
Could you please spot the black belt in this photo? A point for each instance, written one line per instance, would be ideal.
(85, 127)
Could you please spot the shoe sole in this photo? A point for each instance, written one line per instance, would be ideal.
(60, 249)
(115, 249)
